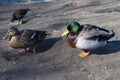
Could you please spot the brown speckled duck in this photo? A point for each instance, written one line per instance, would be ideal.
(87, 37)
(25, 38)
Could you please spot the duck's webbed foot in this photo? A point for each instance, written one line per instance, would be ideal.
(84, 54)
(23, 51)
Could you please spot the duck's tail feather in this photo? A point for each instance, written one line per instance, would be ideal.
(112, 36)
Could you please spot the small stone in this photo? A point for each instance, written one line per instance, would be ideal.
(13, 62)
(89, 75)
(106, 67)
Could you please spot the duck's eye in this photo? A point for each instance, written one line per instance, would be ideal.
(69, 28)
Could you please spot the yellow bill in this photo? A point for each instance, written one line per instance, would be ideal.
(65, 33)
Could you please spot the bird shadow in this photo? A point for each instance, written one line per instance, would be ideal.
(46, 44)
(110, 48)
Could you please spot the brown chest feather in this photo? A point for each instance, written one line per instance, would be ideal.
(71, 39)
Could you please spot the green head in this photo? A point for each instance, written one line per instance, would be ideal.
(74, 27)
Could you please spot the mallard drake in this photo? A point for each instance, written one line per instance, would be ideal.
(87, 37)
(18, 15)
(25, 38)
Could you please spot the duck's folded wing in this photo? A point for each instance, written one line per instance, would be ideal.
(33, 34)
(27, 33)
(96, 33)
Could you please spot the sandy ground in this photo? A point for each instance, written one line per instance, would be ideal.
(55, 60)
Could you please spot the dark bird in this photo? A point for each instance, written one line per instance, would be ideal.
(18, 15)
(25, 38)
(87, 37)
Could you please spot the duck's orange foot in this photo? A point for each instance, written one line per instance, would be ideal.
(84, 54)
(22, 51)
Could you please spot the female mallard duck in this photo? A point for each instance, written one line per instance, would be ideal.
(87, 37)
(25, 38)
